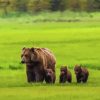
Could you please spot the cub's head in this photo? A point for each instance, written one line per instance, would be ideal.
(48, 72)
(63, 70)
(77, 69)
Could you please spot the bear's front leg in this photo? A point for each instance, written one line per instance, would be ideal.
(39, 77)
(30, 76)
(78, 79)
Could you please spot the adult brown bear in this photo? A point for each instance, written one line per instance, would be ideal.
(81, 74)
(37, 60)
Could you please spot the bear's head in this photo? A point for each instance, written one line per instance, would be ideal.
(77, 69)
(28, 55)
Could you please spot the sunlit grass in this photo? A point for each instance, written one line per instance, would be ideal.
(71, 42)
(50, 93)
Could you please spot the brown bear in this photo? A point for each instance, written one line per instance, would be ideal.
(36, 60)
(65, 75)
(81, 74)
(50, 76)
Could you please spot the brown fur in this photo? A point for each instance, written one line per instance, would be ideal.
(50, 76)
(45, 57)
(81, 74)
(65, 75)
(39, 59)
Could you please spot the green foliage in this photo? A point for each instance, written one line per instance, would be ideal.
(55, 4)
(97, 4)
(38, 5)
(31, 6)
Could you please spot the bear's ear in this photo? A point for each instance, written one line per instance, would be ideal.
(23, 48)
(65, 67)
(32, 49)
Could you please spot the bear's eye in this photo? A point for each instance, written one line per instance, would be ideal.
(26, 55)
(63, 71)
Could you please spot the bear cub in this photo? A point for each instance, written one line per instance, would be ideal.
(50, 76)
(81, 74)
(65, 75)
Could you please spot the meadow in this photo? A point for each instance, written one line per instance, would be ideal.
(73, 38)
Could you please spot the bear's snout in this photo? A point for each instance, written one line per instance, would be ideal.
(22, 62)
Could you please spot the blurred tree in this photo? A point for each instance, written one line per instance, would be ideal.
(21, 5)
(83, 4)
(55, 4)
(3, 5)
(97, 4)
(38, 5)
(18, 5)
(63, 5)
(73, 5)
(90, 4)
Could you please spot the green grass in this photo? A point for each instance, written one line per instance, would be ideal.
(13, 86)
(71, 42)
(17, 78)
(57, 93)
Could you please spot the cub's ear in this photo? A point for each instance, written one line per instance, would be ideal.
(32, 49)
(66, 67)
(23, 48)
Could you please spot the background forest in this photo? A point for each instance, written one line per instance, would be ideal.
(32, 6)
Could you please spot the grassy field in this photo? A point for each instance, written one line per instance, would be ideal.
(74, 42)
(13, 86)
